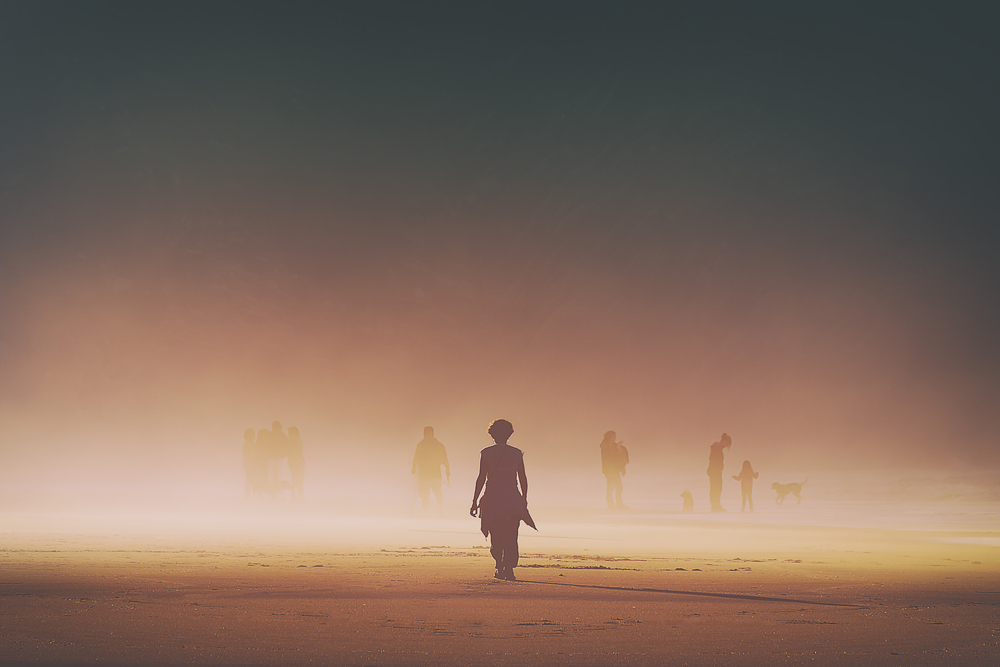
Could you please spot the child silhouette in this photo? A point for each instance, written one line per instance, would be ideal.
(746, 478)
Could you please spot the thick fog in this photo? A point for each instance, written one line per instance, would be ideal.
(781, 230)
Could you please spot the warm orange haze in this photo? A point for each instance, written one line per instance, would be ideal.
(141, 359)
(853, 575)
(721, 285)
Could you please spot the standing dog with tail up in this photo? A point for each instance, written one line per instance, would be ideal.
(795, 488)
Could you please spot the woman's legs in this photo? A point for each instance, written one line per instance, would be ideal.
(715, 490)
(614, 493)
(503, 544)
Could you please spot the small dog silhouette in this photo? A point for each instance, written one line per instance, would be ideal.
(274, 488)
(784, 489)
(688, 501)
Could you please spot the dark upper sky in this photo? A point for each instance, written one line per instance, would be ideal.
(776, 223)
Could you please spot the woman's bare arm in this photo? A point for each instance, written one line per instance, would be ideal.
(479, 485)
(523, 478)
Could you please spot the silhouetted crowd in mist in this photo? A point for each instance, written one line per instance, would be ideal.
(614, 458)
(745, 478)
(263, 456)
(265, 451)
(504, 504)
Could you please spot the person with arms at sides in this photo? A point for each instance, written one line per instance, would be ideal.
(715, 464)
(614, 458)
(427, 462)
(503, 506)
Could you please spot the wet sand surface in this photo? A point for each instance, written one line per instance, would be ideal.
(614, 590)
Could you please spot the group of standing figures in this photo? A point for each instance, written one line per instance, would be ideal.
(614, 458)
(263, 453)
(500, 498)
(745, 478)
(503, 506)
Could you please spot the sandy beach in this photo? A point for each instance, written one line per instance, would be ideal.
(287, 585)
(277, 279)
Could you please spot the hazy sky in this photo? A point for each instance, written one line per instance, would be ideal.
(362, 218)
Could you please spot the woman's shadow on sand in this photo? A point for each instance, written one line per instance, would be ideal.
(726, 596)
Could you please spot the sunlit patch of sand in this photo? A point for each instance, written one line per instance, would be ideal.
(277, 583)
(990, 541)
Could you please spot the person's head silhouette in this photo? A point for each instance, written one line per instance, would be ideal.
(500, 430)
(428, 431)
(276, 427)
(248, 434)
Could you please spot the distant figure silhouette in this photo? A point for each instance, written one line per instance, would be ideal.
(296, 463)
(277, 449)
(688, 501)
(746, 478)
(502, 507)
(259, 478)
(714, 471)
(427, 462)
(249, 454)
(614, 458)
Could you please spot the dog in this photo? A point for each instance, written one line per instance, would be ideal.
(795, 488)
(688, 501)
(275, 488)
